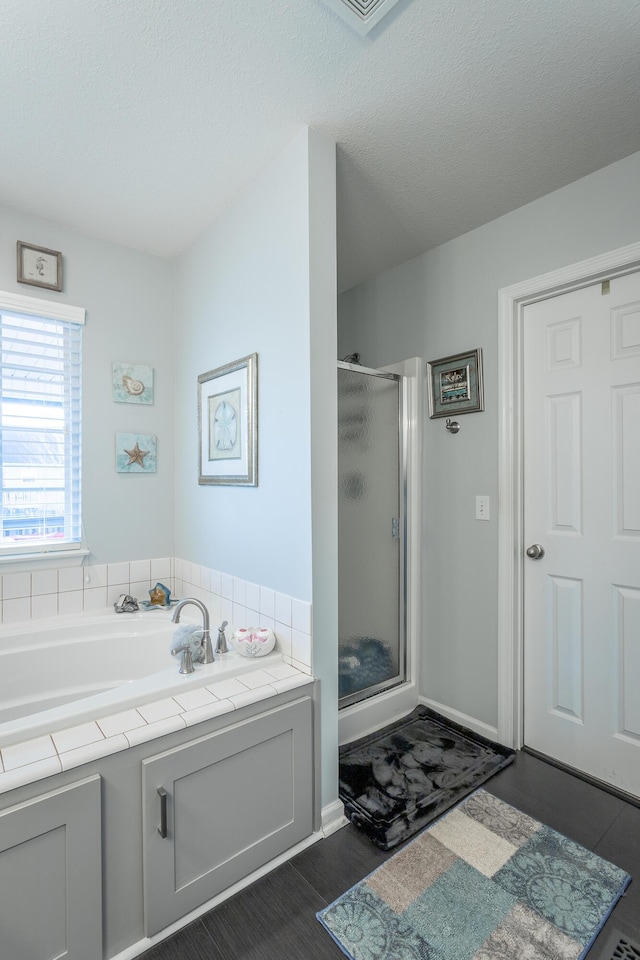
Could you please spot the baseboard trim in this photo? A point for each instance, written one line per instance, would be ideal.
(136, 949)
(333, 818)
(484, 729)
(586, 777)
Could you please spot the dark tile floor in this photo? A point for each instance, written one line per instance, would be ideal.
(275, 919)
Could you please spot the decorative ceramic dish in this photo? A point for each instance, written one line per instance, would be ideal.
(254, 641)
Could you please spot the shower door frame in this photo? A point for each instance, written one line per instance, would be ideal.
(401, 677)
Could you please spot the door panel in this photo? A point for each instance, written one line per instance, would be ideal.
(567, 649)
(626, 440)
(626, 633)
(581, 404)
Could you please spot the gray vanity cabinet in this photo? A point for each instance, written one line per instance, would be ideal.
(51, 875)
(221, 806)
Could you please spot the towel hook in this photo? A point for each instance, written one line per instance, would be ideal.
(452, 425)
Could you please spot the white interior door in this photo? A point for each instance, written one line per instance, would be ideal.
(581, 402)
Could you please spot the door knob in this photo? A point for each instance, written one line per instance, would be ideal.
(535, 551)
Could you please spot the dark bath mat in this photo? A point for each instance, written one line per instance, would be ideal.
(396, 781)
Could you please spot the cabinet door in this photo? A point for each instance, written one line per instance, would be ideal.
(227, 804)
(51, 876)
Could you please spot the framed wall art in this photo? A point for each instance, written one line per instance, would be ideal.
(455, 384)
(132, 383)
(39, 266)
(136, 453)
(228, 423)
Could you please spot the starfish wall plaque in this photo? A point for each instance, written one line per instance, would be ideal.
(135, 453)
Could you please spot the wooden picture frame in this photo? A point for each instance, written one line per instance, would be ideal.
(39, 266)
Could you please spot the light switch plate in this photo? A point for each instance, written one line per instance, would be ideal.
(482, 508)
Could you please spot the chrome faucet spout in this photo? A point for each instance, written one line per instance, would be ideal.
(206, 636)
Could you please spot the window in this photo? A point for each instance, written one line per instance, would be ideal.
(40, 426)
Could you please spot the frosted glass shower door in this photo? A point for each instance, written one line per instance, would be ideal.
(371, 533)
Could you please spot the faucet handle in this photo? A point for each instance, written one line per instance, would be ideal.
(221, 642)
(186, 663)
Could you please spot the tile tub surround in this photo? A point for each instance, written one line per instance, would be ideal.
(64, 749)
(71, 590)
(246, 604)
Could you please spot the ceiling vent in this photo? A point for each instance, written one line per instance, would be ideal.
(362, 15)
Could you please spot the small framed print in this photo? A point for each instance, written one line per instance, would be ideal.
(132, 383)
(136, 453)
(228, 423)
(455, 384)
(39, 266)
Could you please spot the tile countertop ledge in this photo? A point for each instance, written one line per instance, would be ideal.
(45, 756)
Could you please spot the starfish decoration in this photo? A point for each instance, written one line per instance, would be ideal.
(137, 455)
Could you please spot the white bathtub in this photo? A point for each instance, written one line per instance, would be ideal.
(65, 671)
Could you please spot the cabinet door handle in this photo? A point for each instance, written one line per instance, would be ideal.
(162, 829)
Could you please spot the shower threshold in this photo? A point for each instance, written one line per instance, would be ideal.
(357, 720)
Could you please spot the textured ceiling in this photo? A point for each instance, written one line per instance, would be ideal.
(138, 121)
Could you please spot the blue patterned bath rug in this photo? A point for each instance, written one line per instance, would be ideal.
(485, 882)
(396, 781)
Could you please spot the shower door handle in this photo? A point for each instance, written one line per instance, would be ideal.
(395, 528)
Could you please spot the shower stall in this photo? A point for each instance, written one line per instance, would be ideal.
(371, 533)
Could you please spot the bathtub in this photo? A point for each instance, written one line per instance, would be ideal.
(65, 671)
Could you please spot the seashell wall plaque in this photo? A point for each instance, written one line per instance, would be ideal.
(132, 383)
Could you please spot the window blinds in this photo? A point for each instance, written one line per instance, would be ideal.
(40, 433)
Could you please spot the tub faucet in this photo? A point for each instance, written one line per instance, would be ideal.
(207, 655)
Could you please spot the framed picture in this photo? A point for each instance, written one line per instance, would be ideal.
(455, 384)
(132, 383)
(136, 453)
(39, 266)
(228, 423)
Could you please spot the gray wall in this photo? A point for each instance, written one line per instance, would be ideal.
(442, 303)
(263, 279)
(128, 297)
(243, 288)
